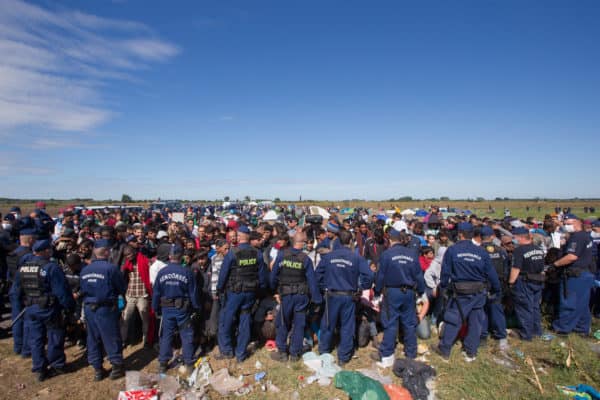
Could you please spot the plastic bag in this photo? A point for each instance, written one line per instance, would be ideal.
(397, 392)
(360, 387)
(224, 383)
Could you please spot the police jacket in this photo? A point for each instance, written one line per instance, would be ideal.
(101, 283)
(43, 282)
(580, 244)
(399, 267)
(243, 265)
(15, 259)
(500, 260)
(174, 282)
(467, 262)
(293, 267)
(343, 270)
(529, 259)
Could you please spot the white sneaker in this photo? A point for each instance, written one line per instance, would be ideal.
(468, 358)
(386, 362)
(503, 345)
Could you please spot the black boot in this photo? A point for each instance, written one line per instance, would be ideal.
(279, 356)
(162, 368)
(99, 374)
(117, 371)
(42, 375)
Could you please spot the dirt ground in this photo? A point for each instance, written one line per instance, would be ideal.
(487, 377)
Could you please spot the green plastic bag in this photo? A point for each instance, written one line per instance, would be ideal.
(360, 387)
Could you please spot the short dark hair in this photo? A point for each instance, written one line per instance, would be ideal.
(345, 237)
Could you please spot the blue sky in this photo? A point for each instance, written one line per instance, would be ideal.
(323, 99)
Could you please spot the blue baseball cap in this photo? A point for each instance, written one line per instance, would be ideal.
(41, 245)
(570, 216)
(596, 223)
(333, 227)
(465, 227)
(486, 231)
(244, 229)
(102, 243)
(520, 231)
(394, 234)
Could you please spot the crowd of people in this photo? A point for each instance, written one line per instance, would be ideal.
(227, 281)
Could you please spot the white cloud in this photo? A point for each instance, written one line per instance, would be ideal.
(12, 165)
(55, 62)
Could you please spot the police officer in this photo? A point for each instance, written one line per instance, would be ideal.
(175, 298)
(574, 312)
(242, 273)
(293, 278)
(14, 260)
(526, 281)
(101, 285)
(400, 279)
(46, 294)
(494, 309)
(340, 274)
(595, 235)
(466, 271)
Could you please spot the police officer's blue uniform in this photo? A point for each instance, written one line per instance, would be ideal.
(399, 278)
(101, 285)
(242, 273)
(495, 319)
(20, 329)
(46, 293)
(293, 277)
(340, 273)
(175, 297)
(595, 295)
(527, 289)
(573, 312)
(466, 270)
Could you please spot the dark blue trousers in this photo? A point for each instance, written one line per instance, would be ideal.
(174, 319)
(494, 319)
(472, 311)
(291, 316)
(44, 324)
(236, 303)
(103, 330)
(399, 306)
(574, 311)
(527, 297)
(339, 310)
(20, 330)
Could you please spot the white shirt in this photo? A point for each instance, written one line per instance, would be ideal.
(155, 268)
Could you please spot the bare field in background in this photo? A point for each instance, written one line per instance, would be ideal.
(518, 208)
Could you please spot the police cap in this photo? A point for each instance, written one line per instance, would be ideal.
(244, 229)
(520, 231)
(465, 227)
(41, 245)
(570, 216)
(486, 231)
(102, 243)
(394, 234)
